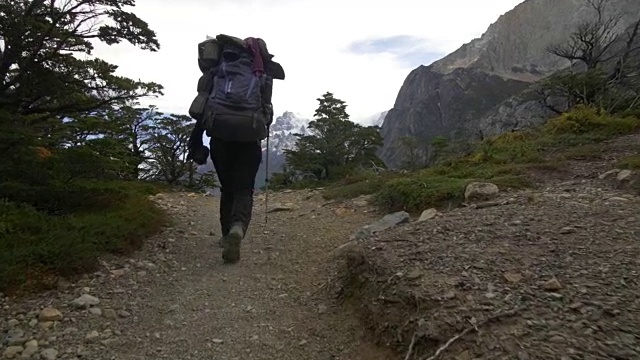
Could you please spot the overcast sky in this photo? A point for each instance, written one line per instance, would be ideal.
(361, 50)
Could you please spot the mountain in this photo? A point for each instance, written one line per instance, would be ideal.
(282, 137)
(484, 87)
(375, 119)
(283, 130)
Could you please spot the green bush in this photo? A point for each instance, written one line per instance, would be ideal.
(75, 197)
(445, 186)
(589, 121)
(353, 190)
(418, 193)
(630, 162)
(117, 217)
(357, 183)
(505, 160)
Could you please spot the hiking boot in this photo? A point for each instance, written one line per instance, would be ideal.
(231, 252)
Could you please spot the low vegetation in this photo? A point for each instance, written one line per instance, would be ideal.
(63, 232)
(630, 162)
(506, 160)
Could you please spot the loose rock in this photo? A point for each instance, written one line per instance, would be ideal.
(49, 354)
(624, 175)
(608, 173)
(92, 335)
(552, 285)
(480, 191)
(85, 301)
(50, 314)
(109, 313)
(31, 348)
(427, 215)
(281, 208)
(95, 311)
(12, 351)
(388, 221)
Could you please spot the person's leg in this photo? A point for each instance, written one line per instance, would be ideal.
(247, 158)
(220, 156)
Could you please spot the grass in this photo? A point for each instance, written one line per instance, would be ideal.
(360, 183)
(59, 229)
(630, 162)
(506, 160)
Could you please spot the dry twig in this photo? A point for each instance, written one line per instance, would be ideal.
(410, 351)
(474, 328)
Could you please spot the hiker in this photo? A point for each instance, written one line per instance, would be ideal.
(235, 110)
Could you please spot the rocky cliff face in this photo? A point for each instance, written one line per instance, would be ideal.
(431, 104)
(479, 89)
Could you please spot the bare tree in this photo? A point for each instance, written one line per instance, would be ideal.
(632, 46)
(591, 41)
(611, 80)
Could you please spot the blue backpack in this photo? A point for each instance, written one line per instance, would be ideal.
(235, 85)
(234, 99)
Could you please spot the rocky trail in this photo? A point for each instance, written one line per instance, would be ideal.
(547, 273)
(175, 299)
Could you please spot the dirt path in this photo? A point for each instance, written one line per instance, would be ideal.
(565, 255)
(175, 299)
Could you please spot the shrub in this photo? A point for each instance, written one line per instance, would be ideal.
(630, 162)
(505, 160)
(35, 241)
(587, 120)
(419, 193)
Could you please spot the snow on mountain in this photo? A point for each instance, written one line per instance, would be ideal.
(374, 120)
(283, 131)
(282, 137)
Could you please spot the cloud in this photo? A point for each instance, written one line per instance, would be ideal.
(392, 44)
(361, 50)
(407, 50)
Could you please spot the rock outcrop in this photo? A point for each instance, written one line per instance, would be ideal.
(484, 87)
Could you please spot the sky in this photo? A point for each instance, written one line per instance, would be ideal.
(359, 50)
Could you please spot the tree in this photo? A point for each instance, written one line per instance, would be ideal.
(609, 79)
(440, 145)
(134, 126)
(54, 95)
(45, 66)
(414, 155)
(591, 41)
(167, 160)
(202, 181)
(334, 142)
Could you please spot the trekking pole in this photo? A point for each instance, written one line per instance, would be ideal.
(266, 188)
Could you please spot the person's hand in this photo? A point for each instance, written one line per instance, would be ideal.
(268, 111)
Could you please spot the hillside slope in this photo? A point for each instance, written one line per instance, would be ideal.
(489, 73)
(546, 273)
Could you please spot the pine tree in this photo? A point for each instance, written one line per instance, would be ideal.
(334, 142)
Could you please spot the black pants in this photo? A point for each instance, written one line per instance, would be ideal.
(236, 164)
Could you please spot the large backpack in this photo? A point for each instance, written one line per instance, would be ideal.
(236, 87)
(231, 102)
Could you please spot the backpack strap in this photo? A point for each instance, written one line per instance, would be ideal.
(212, 93)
